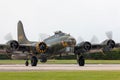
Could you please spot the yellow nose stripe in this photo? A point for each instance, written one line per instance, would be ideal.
(64, 44)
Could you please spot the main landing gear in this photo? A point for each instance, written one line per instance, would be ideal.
(80, 60)
(34, 61)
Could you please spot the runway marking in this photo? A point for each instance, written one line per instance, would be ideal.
(45, 67)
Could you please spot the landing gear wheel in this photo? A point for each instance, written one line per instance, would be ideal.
(43, 58)
(34, 61)
(81, 61)
(26, 63)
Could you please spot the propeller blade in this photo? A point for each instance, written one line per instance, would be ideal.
(8, 37)
(109, 35)
(94, 40)
(43, 36)
(80, 39)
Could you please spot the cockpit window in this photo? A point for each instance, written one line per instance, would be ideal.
(59, 33)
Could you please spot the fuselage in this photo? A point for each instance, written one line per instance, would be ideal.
(59, 42)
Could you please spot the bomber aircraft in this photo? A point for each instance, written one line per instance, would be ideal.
(53, 45)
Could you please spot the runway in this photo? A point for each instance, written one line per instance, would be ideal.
(59, 67)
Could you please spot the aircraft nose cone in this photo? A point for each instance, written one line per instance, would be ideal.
(71, 41)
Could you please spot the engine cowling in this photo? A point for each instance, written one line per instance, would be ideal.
(82, 47)
(41, 47)
(12, 45)
(108, 45)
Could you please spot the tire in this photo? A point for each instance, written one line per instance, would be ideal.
(81, 61)
(34, 61)
(26, 63)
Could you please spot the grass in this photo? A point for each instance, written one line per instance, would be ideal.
(61, 75)
(63, 62)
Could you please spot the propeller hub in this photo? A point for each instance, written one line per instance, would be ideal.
(41, 47)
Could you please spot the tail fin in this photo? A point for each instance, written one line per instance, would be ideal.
(21, 35)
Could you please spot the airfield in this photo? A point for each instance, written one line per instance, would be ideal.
(59, 67)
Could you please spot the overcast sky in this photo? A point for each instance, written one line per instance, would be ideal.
(83, 18)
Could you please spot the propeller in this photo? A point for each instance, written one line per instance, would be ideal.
(42, 36)
(109, 34)
(94, 40)
(8, 37)
(80, 39)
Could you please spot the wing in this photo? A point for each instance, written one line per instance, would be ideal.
(25, 48)
(105, 46)
(13, 46)
(2, 48)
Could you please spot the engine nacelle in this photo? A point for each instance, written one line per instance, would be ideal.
(41, 47)
(108, 45)
(82, 47)
(12, 45)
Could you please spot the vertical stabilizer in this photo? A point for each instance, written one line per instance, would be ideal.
(21, 34)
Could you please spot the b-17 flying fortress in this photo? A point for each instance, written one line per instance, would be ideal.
(54, 45)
